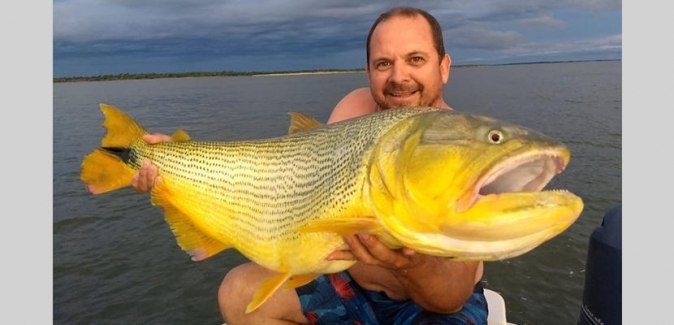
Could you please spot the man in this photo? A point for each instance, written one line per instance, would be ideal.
(406, 66)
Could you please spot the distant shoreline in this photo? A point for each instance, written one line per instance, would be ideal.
(138, 76)
(305, 73)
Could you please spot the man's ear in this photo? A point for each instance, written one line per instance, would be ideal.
(445, 64)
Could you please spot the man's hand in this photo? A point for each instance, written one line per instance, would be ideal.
(370, 250)
(147, 176)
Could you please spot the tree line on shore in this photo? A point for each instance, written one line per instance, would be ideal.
(129, 76)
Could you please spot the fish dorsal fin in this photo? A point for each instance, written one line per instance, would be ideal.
(180, 136)
(300, 122)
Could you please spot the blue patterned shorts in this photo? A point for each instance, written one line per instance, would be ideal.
(337, 299)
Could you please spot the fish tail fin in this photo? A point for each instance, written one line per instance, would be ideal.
(104, 172)
(104, 169)
(122, 128)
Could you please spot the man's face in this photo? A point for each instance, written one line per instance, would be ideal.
(404, 69)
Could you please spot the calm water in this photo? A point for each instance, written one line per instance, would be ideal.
(116, 261)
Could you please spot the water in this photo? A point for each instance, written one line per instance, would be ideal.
(116, 261)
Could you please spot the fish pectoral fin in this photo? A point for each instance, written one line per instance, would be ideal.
(300, 122)
(266, 290)
(180, 136)
(299, 280)
(342, 226)
(189, 236)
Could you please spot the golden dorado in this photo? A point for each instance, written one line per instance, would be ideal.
(437, 181)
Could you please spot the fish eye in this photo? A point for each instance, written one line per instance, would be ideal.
(495, 136)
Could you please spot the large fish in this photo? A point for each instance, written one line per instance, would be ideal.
(437, 181)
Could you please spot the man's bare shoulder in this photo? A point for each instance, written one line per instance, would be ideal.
(356, 103)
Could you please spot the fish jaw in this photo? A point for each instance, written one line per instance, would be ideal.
(496, 227)
(510, 215)
(525, 170)
(504, 213)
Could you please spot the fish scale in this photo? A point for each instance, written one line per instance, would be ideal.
(246, 210)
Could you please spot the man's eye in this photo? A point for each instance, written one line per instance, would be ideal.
(383, 64)
(417, 59)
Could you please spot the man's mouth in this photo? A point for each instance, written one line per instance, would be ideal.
(402, 94)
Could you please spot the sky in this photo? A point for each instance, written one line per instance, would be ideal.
(99, 37)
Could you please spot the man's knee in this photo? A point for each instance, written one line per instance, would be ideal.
(234, 287)
(238, 288)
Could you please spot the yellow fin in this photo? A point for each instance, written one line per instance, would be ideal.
(122, 128)
(300, 122)
(266, 290)
(342, 226)
(299, 280)
(190, 238)
(103, 172)
(180, 136)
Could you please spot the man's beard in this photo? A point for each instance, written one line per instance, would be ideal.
(396, 88)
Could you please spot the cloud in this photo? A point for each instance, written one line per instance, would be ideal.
(94, 20)
(478, 36)
(611, 43)
(542, 21)
(596, 5)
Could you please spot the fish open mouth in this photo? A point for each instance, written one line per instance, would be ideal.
(522, 173)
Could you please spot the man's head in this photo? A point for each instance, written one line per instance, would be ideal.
(406, 60)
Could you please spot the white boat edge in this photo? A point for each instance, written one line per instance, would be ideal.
(497, 308)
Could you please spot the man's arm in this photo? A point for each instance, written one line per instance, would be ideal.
(434, 283)
(356, 103)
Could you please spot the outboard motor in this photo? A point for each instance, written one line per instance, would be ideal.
(602, 293)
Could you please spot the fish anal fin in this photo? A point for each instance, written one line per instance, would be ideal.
(189, 237)
(299, 280)
(266, 290)
(300, 122)
(122, 128)
(342, 226)
(180, 136)
(104, 172)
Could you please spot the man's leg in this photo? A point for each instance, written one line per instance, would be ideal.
(237, 291)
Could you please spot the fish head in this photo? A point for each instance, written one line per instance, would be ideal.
(470, 187)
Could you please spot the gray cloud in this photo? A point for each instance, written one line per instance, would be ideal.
(596, 5)
(542, 21)
(478, 36)
(609, 43)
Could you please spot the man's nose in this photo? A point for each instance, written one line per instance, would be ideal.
(399, 73)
